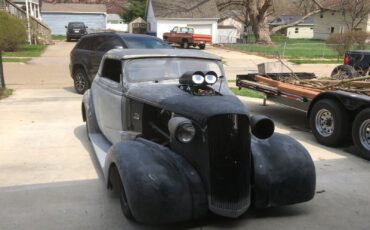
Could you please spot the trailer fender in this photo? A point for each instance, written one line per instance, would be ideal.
(284, 172)
(160, 185)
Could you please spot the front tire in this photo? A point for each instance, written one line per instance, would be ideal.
(361, 133)
(185, 44)
(81, 81)
(329, 122)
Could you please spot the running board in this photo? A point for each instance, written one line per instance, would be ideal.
(101, 146)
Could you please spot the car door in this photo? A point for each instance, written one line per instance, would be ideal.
(108, 99)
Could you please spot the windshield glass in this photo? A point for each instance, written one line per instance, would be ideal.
(76, 25)
(145, 43)
(157, 69)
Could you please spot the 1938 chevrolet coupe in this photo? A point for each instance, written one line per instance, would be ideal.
(177, 144)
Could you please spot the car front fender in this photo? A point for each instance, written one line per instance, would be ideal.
(284, 172)
(160, 185)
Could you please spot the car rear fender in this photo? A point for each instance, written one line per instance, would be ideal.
(284, 172)
(161, 186)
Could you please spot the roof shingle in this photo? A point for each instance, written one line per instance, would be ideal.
(73, 8)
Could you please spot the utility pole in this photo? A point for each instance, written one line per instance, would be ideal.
(2, 81)
(28, 23)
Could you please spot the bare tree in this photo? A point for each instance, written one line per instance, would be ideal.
(258, 11)
(355, 12)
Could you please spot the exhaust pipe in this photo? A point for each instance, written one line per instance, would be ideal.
(262, 126)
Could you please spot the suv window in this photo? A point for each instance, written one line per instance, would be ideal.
(145, 43)
(112, 70)
(90, 43)
(109, 43)
(78, 25)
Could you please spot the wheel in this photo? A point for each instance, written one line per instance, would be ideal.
(329, 122)
(202, 46)
(361, 133)
(343, 72)
(116, 182)
(68, 39)
(185, 44)
(81, 82)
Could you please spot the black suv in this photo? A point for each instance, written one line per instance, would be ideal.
(88, 52)
(355, 63)
(75, 30)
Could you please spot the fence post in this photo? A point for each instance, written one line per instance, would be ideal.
(2, 81)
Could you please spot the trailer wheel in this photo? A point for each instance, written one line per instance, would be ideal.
(343, 72)
(361, 133)
(329, 122)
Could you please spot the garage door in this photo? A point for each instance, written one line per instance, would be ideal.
(202, 29)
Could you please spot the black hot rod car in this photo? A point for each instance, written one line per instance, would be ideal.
(176, 143)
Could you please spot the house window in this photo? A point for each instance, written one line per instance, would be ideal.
(296, 30)
(332, 30)
(321, 15)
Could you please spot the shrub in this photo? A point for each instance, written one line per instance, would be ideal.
(346, 41)
(12, 32)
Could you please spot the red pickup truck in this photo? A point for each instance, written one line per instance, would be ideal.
(185, 37)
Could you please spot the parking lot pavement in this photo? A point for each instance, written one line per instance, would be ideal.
(49, 177)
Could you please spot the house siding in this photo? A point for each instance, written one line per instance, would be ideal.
(335, 20)
(58, 21)
(304, 32)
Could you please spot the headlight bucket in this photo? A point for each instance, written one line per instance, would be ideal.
(182, 129)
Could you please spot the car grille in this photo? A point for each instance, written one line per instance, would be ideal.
(230, 164)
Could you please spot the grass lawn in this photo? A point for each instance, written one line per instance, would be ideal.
(16, 59)
(5, 93)
(308, 50)
(27, 51)
(58, 37)
(247, 93)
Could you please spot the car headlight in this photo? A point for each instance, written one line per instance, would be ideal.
(182, 129)
(185, 132)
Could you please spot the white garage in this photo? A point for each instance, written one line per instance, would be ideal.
(163, 15)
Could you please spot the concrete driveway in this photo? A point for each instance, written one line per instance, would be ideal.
(49, 177)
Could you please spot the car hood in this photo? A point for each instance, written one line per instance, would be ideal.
(197, 108)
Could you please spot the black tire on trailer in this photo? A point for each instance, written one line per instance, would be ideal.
(361, 133)
(202, 46)
(81, 81)
(68, 39)
(330, 122)
(343, 72)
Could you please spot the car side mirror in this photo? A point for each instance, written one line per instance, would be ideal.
(262, 126)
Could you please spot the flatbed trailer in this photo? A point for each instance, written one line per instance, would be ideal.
(336, 117)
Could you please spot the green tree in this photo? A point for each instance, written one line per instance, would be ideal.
(12, 32)
(136, 8)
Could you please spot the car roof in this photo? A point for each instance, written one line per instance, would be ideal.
(121, 34)
(124, 54)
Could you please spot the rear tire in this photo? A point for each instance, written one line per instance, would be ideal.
(361, 133)
(330, 123)
(343, 72)
(81, 81)
(202, 46)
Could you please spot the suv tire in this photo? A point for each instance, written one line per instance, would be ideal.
(343, 72)
(81, 81)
